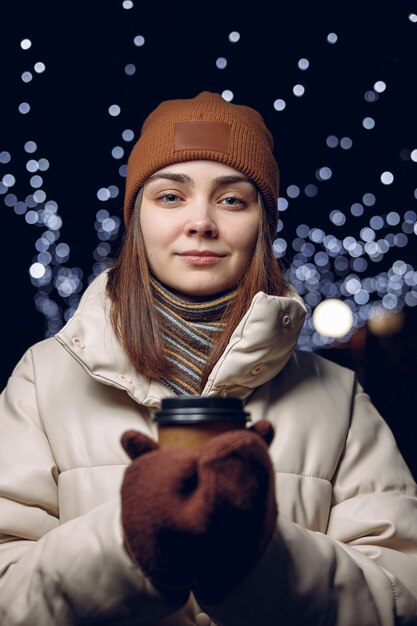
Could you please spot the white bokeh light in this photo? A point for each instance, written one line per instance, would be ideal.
(332, 318)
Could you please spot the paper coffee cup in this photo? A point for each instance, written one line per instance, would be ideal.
(189, 421)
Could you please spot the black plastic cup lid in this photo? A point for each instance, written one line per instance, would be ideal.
(193, 409)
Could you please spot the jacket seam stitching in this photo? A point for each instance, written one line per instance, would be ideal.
(77, 467)
(394, 594)
(41, 424)
(327, 480)
(35, 389)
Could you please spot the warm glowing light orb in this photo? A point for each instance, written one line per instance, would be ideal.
(332, 318)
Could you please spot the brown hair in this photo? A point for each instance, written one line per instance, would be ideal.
(133, 314)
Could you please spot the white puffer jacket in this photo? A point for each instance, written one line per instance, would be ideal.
(345, 548)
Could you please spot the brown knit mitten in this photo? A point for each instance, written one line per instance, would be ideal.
(199, 519)
(160, 528)
(238, 481)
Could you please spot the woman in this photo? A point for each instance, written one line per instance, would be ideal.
(316, 525)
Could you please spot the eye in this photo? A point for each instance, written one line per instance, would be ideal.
(168, 199)
(233, 202)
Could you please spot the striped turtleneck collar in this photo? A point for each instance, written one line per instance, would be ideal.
(189, 329)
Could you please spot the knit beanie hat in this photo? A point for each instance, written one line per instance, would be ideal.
(205, 127)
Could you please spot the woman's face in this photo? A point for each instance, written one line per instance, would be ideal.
(199, 223)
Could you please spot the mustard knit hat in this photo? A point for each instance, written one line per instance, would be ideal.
(205, 127)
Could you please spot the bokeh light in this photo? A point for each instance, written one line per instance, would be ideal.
(332, 318)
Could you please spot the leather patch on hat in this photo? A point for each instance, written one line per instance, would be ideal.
(202, 135)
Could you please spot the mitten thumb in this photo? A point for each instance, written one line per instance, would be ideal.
(265, 430)
(136, 443)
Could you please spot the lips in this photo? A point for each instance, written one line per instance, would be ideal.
(201, 257)
(201, 253)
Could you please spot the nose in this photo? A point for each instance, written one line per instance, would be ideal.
(201, 222)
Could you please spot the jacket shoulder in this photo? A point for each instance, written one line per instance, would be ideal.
(41, 350)
(308, 369)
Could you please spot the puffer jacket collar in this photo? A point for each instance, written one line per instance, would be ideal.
(258, 349)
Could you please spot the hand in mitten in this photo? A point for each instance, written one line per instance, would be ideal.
(237, 478)
(199, 518)
(160, 525)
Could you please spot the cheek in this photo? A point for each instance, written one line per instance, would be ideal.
(157, 229)
(247, 238)
(152, 234)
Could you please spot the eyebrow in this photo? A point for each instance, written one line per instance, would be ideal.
(232, 178)
(187, 180)
(178, 178)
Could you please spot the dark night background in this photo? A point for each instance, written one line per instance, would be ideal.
(86, 46)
